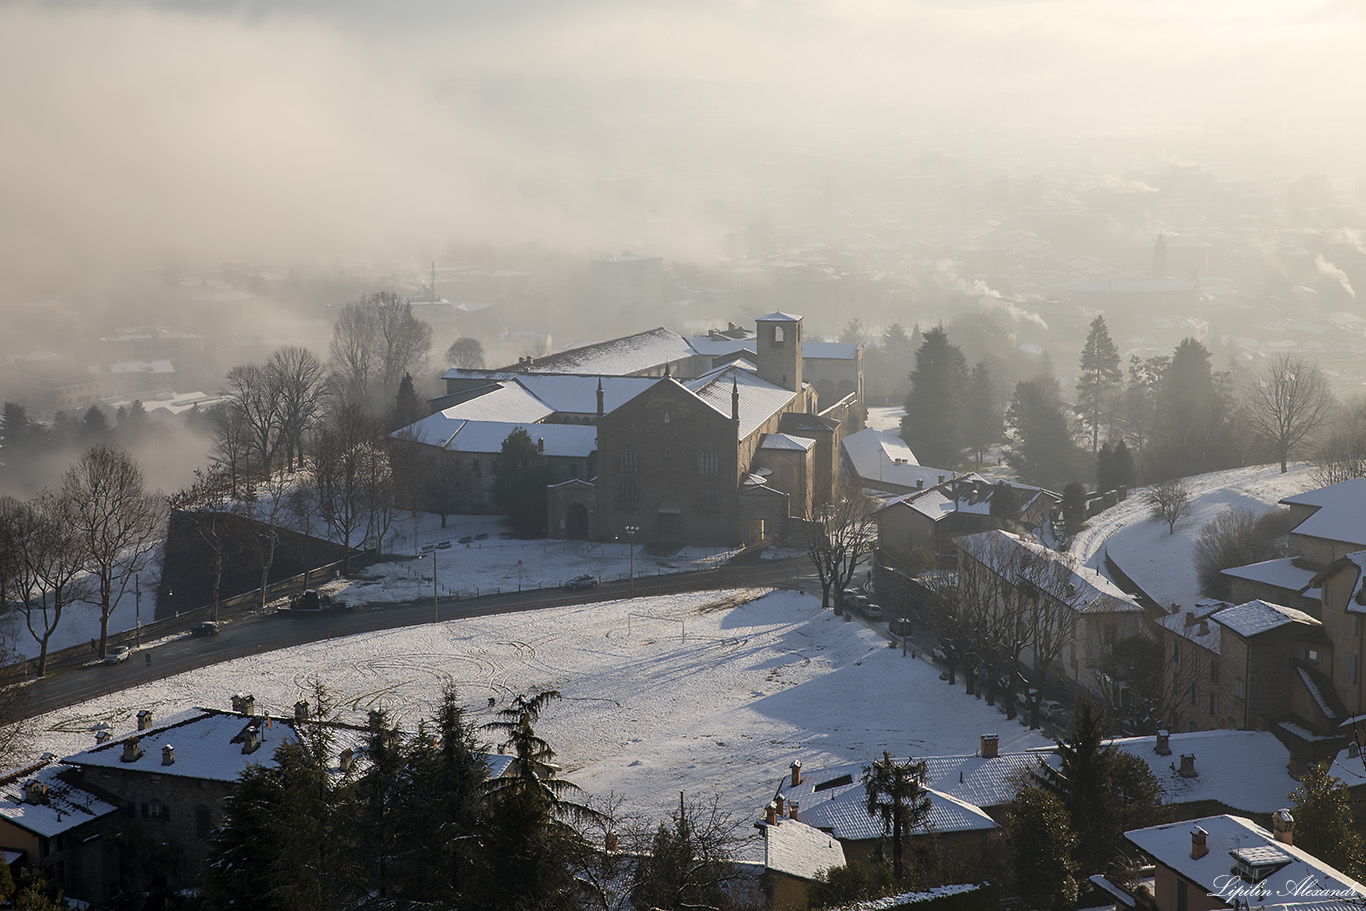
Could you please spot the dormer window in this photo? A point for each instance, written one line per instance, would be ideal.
(1252, 865)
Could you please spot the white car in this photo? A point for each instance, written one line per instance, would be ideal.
(118, 654)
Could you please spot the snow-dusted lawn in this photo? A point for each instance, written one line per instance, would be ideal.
(705, 692)
(1162, 563)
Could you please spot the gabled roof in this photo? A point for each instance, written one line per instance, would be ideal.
(62, 807)
(800, 850)
(759, 399)
(786, 442)
(1084, 592)
(778, 316)
(619, 356)
(508, 401)
(833, 799)
(880, 458)
(1229, 839)
(1282, 573)
(486, 437)
(1204, 610)
(1338, 513)
(1257, 617)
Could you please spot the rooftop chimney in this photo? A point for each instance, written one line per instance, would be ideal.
(600, 397)
(941, 479)
(792, 809)
(346, 760)
(168, 755)
(796, 772)
(35, 792)
(144, 719)
(132, 752)
(252, 741)
(734, 399)
(771, 813)
(919, 483)
(1187, 769)
(1198, 846)
(781, 802)
(1190, 618)
(990, 745)
(244, 703)
(1283, 826)
(301, 710)
(1164, 744)
(1204, 627)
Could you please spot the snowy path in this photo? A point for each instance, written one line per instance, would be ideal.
(1160, 562)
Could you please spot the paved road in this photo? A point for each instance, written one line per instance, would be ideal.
(266, 632)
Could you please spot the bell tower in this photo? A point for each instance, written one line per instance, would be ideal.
(779, 349)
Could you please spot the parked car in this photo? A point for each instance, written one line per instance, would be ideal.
(466, 539)
(857, 603)
(1052, 710)
(118, 654)
(899, 626)
(872, 611)
(848, 596)
(584, 581)
(207, 628)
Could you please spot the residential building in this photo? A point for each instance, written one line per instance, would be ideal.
(1231, 862)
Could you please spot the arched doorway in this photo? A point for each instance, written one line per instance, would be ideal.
(576, 521)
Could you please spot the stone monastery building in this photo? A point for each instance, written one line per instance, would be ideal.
(711, 440)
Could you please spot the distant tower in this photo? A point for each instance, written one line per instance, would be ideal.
(1160, 257)
(779, 347)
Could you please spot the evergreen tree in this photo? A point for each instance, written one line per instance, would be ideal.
(519, 483)
(1105, 468)
(1191, 432)
(528, 834)
(382, 825)
(982, 412)
(18, 431)
(94, 425)
(895, 792)
(894, 361)
(1323, 821)
(407, 406)
(1099, 380)
(1074, 506)
(1040, 446)
(688, 864)
(932, 425)
(1005, 504)
(1043, 844)
(1123, 467)
(853, 332)
(1103, 791)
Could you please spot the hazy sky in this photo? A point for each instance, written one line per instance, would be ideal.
(275, 132)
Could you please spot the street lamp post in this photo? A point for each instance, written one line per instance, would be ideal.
(631, 541)
(436, 605)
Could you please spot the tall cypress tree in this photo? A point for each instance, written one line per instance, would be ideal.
(1040, 448)
(982, 412)
(932, 425)
(1099, 380)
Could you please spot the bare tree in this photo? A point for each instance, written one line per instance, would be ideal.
(256, 396)
(381, 493)
(374, 342)
(11, 543)
(51, 569)
(1170, 501)
(301, 386)
(231, 443)
(207, 505)
(840, 539)
(466, 353)
(1342, 456)
(1287, 403)
(265, 505)
(338, 477)
(117, 520)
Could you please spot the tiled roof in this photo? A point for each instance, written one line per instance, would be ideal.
(62, 807)
(1082, 591)
(800, 850)
(759, 399)
(629, 354)
(1257, 617)
(778, 316)
(786, 442)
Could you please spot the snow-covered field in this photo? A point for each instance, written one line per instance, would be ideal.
(1161, 563)
(711, 692)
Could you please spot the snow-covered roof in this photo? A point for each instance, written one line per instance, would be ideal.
(1230, 839)
(879, 457)
(786, 442)
(629, 354)
(1282, 573)
(504, 402)
(1338, 516)
(486, 437)
(990, 782)
(62, 806)
(778, 316)
(800, 850)
(1257, 617)
(833, 799)
(203, 745)
(759, 399)
(1245, 770)
(579, 394)
(1084, 592)
(829, 351)
(1204, 609)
